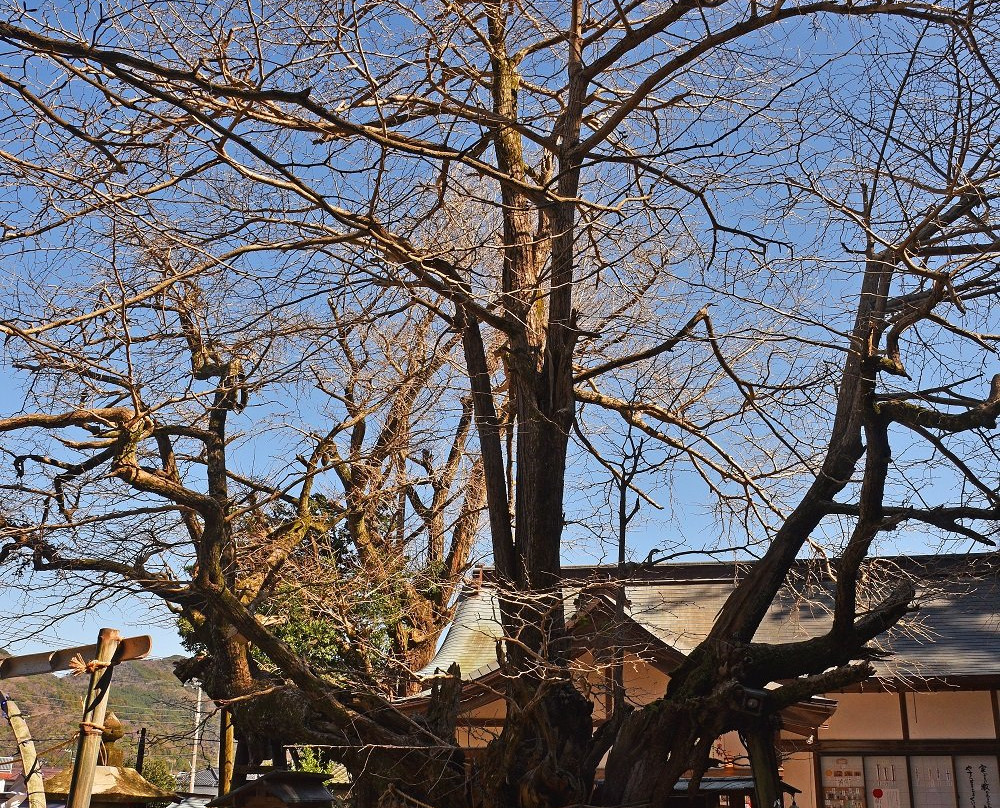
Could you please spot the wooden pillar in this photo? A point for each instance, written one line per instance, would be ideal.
(759, 741)
(95, 708)
(226, 753)
(26, 748)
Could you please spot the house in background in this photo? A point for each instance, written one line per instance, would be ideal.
(206, 783)
(924, 733)
(6, 772)
(14, 790)
(280, 789)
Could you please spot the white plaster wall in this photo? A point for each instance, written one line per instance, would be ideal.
(643, 682)
(797, 770)
(967, 714)
(864, 716)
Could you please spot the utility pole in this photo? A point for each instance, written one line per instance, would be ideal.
(197, 737)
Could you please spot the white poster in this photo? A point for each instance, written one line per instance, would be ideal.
(887, 782)
(978, 785)
(843, 782)
(933, 781)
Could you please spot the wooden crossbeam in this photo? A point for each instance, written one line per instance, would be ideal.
(52, 661)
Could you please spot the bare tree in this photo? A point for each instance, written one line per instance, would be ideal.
(348, 544)
(796, 247)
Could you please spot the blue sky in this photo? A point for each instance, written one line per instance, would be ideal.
(131, 616)
(687, 518)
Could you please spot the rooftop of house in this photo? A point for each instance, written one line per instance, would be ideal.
(305, 789)
(954, 633)
(206, 782)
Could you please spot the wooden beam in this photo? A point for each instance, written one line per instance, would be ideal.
(886, 746)
(227, 757)
(62, 660)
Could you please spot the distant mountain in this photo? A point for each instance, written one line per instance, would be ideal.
(144, 693)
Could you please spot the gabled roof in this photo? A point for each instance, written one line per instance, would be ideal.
(206, 782)
(955, 632)
(291, 787)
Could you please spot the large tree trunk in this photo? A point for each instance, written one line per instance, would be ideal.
(661, 741)
(539, 760)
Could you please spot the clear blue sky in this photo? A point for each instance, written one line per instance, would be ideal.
(130, 615)
(687, 519)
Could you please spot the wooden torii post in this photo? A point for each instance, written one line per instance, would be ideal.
(109, 651)
(33, 784)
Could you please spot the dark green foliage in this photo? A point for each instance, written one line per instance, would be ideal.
(326, 606)
(158, 771)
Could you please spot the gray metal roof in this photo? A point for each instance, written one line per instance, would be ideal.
(471, 637)
(290, 787)
(728, 784)
(206, 782)
(190, 802)
(955, 632)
